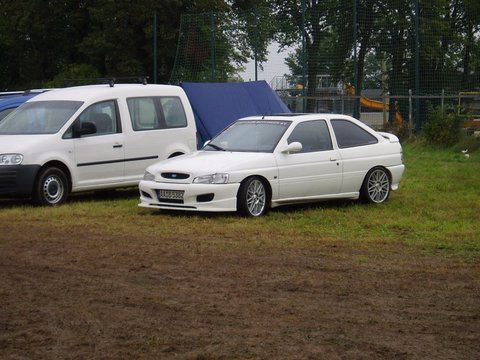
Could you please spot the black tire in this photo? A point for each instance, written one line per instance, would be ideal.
(376, 186)
(253, 197)
(51, 187)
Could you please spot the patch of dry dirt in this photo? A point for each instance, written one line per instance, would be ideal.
(90, 295)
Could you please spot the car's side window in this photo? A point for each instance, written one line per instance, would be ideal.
(313, 135)
(349, 134)
(103, 115)
(153, 113)
(173, 112)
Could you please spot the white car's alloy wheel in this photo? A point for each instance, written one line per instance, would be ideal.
(252, 199)
(377, 186)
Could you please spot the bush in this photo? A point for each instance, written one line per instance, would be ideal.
(443, 125)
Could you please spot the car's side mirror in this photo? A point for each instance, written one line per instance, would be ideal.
(87, 128)
(294, 147)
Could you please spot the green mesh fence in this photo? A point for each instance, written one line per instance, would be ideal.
(378, 60)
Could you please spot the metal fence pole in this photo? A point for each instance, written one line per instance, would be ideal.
(384, 110)
(212, 43)
(356, 108)
(304, 60)
(417, 67)
(443, 100)
(410, 109)
(155, 47)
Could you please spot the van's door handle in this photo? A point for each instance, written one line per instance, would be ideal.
(117, 146)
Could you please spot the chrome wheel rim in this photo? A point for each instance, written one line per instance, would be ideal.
(256, 197)
(378, 186)
(53, 189)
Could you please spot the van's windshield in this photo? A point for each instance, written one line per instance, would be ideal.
(39, 117)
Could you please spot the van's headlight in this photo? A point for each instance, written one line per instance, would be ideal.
(148, 176)
(11, 159)
(212, 179)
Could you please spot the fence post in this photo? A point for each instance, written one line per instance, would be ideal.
(410, 108)
(384, 110)
(304, 60)
(155, 47)
(417, 66)
(212, 44)
(356, 108)
(443, 100)
(255, 45)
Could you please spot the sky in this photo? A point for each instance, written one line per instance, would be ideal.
(274, 66)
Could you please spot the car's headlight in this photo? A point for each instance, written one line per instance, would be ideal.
(148, 176)
(11, 159)
(212, 179)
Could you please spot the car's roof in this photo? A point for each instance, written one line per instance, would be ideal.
(299, 117)
(92, 92)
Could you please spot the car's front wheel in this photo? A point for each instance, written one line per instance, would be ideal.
(376, 186)
(51, 187)
(252, 198)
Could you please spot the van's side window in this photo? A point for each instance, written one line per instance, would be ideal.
(103, 115)
(151, 113)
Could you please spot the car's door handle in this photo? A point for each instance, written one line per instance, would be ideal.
(333, 159)
(117, 146)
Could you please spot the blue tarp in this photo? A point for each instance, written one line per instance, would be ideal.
(216, 105)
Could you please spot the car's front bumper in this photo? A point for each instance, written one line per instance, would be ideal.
(197, 197)
(17, 180)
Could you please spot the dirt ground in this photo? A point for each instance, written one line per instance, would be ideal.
(85, 294)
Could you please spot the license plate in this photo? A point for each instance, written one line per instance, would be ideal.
(170, 194)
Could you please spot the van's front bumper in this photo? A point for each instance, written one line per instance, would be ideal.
(17, 180)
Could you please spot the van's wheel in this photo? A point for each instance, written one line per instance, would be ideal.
(376, 186)
(51, 187)
(252, 197)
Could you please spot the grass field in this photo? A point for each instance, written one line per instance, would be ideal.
(99, 277)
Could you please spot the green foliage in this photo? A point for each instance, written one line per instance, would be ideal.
(214, 46)
(75, 74)
(442, 126)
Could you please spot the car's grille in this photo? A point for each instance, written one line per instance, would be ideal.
(175, 176)
(8, 181)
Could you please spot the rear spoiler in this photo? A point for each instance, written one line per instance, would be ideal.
(390, 137)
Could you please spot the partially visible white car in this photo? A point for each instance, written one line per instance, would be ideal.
(266, 161)
(91, 137)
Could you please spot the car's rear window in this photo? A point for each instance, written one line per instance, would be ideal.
(349, 134)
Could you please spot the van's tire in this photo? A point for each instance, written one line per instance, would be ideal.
(51, 187)
(376, 186)
(253, 198)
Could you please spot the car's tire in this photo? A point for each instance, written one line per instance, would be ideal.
(51, 187)
(376, 186)
(253, 198)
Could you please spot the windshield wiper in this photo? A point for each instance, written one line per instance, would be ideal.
(216, 147)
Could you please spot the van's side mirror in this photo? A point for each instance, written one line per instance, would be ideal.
(87, 128)
(294, 147)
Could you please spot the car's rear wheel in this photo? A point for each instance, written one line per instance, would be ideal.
(252, 198)
(51, 187)
(376, 186)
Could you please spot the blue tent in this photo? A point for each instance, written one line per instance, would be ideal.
(216, 105)
(9, 103)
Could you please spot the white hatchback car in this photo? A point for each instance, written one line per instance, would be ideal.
(262, 162)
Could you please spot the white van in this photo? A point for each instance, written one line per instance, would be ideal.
(91, 137)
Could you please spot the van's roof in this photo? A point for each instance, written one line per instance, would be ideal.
(103, 92)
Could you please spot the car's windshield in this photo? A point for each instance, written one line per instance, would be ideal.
(39, 117)
(249, 136)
